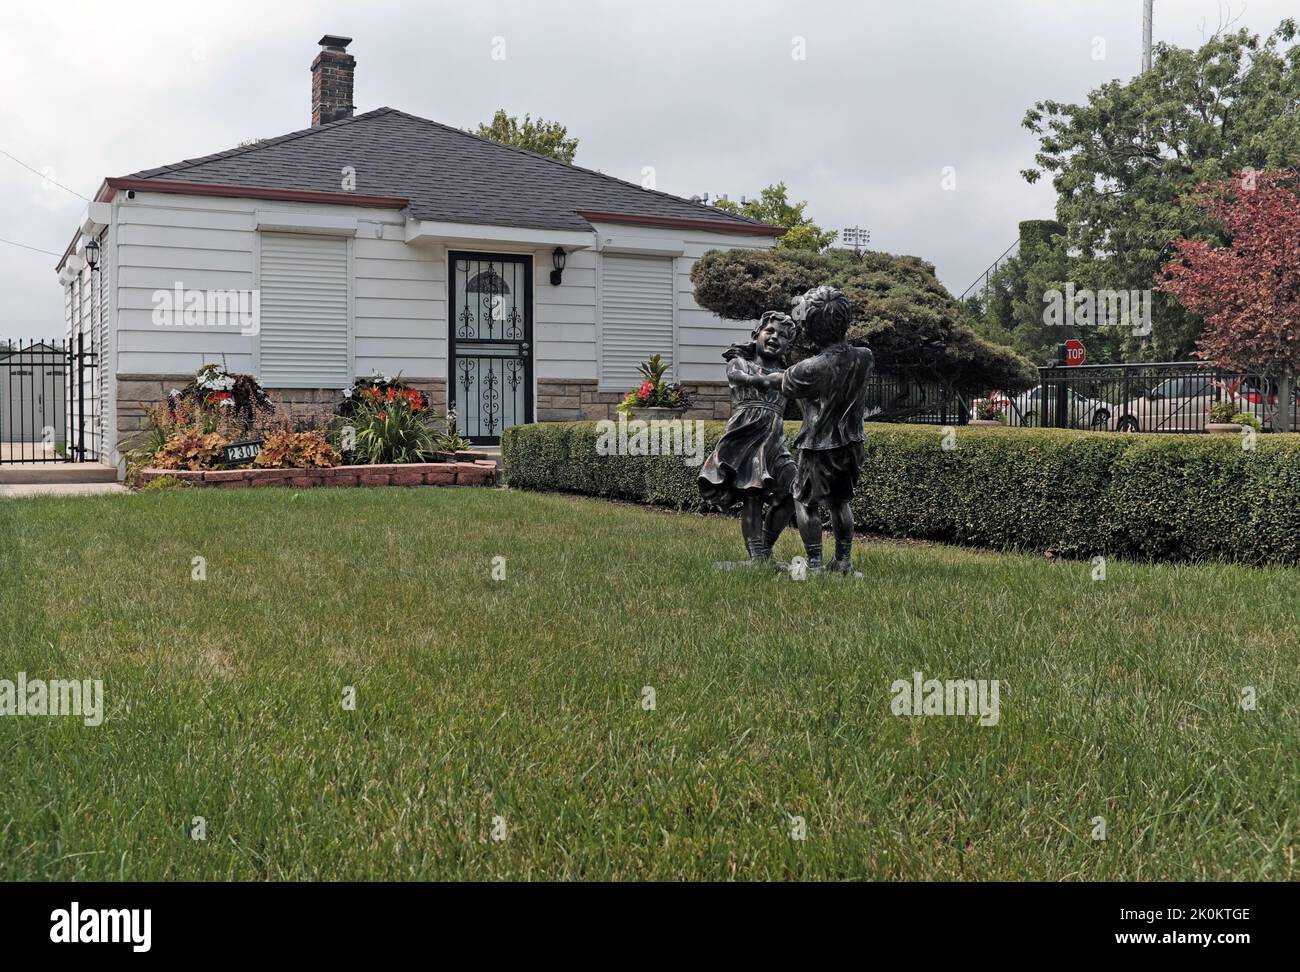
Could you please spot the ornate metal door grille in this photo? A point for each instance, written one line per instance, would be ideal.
(491, 323)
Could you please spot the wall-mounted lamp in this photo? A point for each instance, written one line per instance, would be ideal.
(558, 256)
(92, 253)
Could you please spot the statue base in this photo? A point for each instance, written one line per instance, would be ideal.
(824, 570)
(776, 566)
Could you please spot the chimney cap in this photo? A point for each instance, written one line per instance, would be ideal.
(335, 42)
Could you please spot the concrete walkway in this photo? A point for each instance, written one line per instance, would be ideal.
(46, 473)
(60, 489)
(59, 479)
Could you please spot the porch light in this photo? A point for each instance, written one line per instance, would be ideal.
(558, 256)
(92, 253)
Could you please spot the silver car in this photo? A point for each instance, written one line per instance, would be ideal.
(1026, 409)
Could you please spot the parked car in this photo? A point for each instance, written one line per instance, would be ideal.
(1027, 409)
(1175, 404)
(1183, 404)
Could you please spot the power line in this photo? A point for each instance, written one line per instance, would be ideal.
(36, 248)
(43, 175)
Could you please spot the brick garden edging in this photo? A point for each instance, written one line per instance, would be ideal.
(480, 472)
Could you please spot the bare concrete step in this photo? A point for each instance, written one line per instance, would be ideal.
(47, 473)
(61, 489)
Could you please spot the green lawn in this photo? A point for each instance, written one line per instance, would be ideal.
(523, 699)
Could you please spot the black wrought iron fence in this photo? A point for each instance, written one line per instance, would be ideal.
(1171, 396)
(892, 398)
(49, 404)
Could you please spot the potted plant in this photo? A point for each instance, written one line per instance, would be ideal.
(1243, 419)
(986, 413)
(214, 394)
(655, 398)
(1223, 420)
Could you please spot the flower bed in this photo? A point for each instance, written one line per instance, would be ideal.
(480, 472)
(654, 392)
(380, 422)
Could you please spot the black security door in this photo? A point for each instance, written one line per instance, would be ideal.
(491, 323)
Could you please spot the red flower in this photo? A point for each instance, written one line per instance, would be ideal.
(383, 415)
(219, 396)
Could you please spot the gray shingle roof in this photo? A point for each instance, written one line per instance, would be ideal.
(447, 174)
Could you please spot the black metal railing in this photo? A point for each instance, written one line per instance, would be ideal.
(1170, 396)
(981, 283)
(892, 398)
(49, 402)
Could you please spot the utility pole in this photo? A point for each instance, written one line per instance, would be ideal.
(1146, 35)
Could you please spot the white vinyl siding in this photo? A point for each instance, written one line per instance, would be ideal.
(304, 338)
(637, 297)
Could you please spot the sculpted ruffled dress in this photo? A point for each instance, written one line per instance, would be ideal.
(751, 457)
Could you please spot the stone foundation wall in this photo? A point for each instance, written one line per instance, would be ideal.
(576, 399)
(306, 407)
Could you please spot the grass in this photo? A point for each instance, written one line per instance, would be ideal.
(522, 699)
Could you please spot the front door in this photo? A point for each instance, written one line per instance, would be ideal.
(490, 375)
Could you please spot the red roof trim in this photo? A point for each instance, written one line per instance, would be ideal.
(250, 192)
(721, 225)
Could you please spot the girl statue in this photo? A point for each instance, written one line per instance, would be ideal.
(752, 465)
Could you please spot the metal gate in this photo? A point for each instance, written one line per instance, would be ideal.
(49, 402)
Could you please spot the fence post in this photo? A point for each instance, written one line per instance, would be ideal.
(81, 397)
(68, 400)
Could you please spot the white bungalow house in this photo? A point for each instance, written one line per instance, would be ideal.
(386, 243)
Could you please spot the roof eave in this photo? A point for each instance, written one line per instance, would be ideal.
(254, 192)
(111, 186)
(684, 222)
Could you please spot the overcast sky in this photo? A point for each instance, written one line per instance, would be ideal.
(707, 92)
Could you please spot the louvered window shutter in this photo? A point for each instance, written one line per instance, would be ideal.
(304, 312)
(636, 312)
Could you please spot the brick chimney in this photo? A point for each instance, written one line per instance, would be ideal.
(331, 80)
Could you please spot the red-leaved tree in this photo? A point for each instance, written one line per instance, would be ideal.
(1248, 290)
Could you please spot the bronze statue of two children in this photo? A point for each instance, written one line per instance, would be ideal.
(752, 465)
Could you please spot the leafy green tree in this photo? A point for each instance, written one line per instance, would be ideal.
(1124, 163)
(914, 326)
(540, 136)
(773, 206)
(1010, 310)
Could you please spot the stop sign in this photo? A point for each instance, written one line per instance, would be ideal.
(1075, 352)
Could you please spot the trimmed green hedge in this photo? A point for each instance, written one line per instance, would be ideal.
(1149, 497)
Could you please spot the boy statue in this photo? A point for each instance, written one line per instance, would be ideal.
(832, 387)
